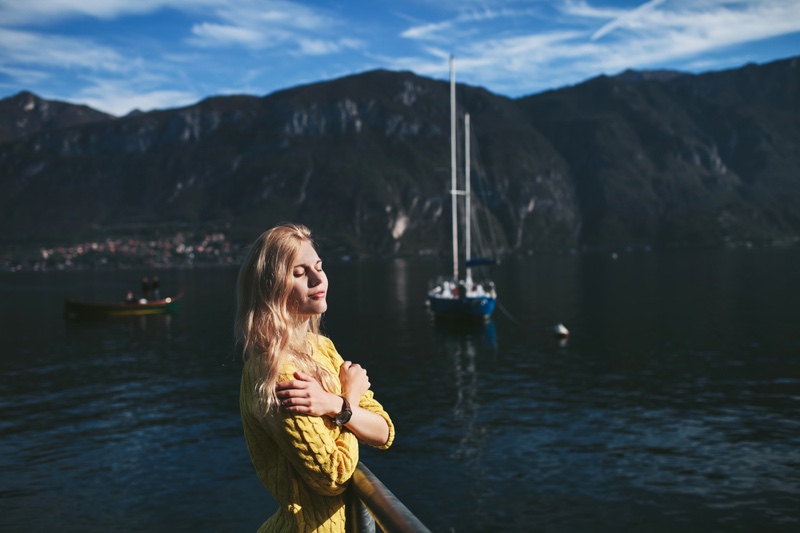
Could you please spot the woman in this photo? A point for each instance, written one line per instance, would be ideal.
(304, 409)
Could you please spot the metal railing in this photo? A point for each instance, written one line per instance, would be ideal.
(371, 502)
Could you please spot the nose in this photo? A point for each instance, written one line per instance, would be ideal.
(315, 278)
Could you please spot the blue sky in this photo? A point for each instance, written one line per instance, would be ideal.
(120, 55)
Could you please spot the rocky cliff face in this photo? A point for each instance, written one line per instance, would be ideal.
(26, 114)
(681, 159)
(364, 160)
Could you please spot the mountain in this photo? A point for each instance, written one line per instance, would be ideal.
(25, 114)
(651, 159)
(690, 159)
(365, 157)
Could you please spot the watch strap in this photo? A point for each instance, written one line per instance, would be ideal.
(344, 415)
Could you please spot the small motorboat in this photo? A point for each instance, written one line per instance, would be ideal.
(74, 309)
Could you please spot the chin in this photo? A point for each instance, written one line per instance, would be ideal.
(314, 310)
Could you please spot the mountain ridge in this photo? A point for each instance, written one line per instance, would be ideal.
(638, 159)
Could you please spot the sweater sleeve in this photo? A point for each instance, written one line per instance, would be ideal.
(369, 403)
(367, 400)
(324, 455)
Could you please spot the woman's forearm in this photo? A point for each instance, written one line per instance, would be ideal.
(370, 428)
(305, 396)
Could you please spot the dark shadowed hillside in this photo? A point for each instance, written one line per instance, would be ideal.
(652, 159)
(25, 113)
(681, 159)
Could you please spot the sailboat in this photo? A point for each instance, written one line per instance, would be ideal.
(453, 297)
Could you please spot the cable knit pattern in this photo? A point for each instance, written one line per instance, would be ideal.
(306, 462)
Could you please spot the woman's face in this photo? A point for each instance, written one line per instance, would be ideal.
(309, 283)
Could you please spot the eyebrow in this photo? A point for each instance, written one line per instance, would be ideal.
(303, 265)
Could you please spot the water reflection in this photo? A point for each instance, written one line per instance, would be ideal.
(673, 406)
(153, 325)
(483, 331)
(469, 347)
(400, 278)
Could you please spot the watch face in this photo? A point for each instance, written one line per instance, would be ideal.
(343, 417)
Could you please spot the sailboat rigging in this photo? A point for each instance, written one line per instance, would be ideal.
(457, 298)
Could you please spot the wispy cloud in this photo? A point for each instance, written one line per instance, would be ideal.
(443, 30)
(594, 38)
(648, 35)
(296, 29)
(42, 50)
(628, 18)
(427, 31)
(37, 12)
(161, 53)
(210, 34)
(325, 46)
(118, 97)
(124, 69)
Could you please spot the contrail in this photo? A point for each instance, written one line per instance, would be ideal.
(619, 21)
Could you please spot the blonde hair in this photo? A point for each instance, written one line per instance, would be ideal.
(264, 327)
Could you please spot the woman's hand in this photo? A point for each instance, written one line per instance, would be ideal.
(304, 395)
(367, 426)
(354, 381)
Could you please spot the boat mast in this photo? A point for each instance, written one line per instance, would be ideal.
(453, 179)
(468, 203)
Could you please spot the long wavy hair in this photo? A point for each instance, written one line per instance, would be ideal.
(265, 328)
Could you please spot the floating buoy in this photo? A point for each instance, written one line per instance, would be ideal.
(560, 331)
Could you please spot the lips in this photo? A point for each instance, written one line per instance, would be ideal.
(317, 295)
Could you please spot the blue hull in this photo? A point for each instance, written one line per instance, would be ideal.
(470, 308)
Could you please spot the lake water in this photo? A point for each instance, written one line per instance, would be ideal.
(673, 406)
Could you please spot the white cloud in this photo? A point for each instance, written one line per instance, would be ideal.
(512, 47)
(472, 17)
(208, 34)
(427, 31)
(45, 11)
(652, 36)
(47, 50)
(119, 97)
(627, 18)
(263, 25)
(584, 39)
(24, 77)
(238, 13)
(325, 47)
(284, 14)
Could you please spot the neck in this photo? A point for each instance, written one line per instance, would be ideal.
(301, 325)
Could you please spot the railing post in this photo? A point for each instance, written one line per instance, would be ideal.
(359, 520)
(388, 512)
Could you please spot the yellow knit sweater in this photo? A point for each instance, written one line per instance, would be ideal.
(306, 462)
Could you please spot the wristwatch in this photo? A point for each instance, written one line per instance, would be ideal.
(344, 415)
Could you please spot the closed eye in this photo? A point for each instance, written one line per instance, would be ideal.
(300, 271)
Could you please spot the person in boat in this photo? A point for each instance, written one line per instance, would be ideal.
(145, 288)
(461, 291)
(304, 409)
(155, 289)
(129, 298)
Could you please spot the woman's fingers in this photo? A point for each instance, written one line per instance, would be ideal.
(291, 384)
(301, 382)
(303, 395)
(355, 380)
